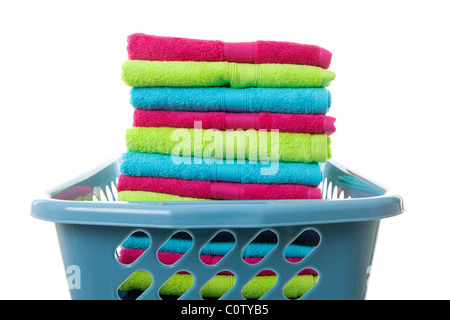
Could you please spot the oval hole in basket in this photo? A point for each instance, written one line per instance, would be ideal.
(301, 283)
(302, 246)
(175, 248)
(217, 248)
(176, 286)
(218, 285)
(259, 285)
(132, 247)
(134, 285)
(260, 247)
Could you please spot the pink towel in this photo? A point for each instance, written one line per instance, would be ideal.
(128, 256)
(223, 120)
(218, 190)
(149, 47)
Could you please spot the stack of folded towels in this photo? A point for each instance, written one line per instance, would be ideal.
(225, 121)
(212, 253)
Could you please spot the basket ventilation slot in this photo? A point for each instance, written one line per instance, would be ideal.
(175, 248)
(133, 247)
(217, 248)
(176, 286)
(260, 247)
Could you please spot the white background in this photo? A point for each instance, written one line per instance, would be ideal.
(64, 109)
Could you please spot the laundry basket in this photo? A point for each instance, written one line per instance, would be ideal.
(91, 224)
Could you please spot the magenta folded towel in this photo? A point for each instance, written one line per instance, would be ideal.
(157, 48)
(217, 190)
(129, 255)
(222, 121)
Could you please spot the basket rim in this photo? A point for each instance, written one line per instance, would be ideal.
(216, 214)
(229, 214)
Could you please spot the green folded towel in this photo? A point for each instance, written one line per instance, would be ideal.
(179, 283)
(140, 73)
(152, 196)
(250, 144)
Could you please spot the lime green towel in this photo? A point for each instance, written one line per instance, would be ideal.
(238, 144)
(140, 73)
(152, 196)
(179, 283)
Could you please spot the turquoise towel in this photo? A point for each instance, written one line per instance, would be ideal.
(192, 168)
(216, 99)
(217, 248)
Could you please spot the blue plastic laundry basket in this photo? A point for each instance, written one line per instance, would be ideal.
(91, 226)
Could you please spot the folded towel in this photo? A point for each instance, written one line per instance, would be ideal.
(182, 246)
(215, 99)
(128, 256)
(152, 196)
(179, 283)
(140, 73)
(305, 123)
(217, 190)
(149, 47)
(191, 168)
(308, 237)
(291, 147)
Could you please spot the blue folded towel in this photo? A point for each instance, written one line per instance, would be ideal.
(308, 237)
(218, 99)
(217, 248)
(160, 165)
